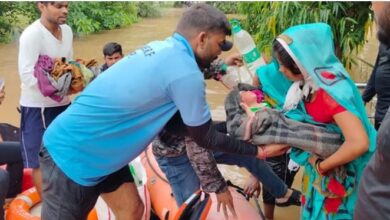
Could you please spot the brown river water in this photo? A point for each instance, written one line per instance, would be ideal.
(131, 38)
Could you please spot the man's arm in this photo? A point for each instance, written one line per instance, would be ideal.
(188, 94)
(210, 178)
(29, 44)
(207, 137)
(370, 91)
(205, 167)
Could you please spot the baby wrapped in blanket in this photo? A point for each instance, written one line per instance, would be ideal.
(250, 118)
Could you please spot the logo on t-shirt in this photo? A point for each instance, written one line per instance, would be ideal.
(147, 50)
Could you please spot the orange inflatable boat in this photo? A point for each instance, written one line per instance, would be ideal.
(199, 206)
(26, 206)
(157, 196)
(19, 209)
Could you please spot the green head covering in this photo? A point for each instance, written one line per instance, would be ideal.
(311, 46)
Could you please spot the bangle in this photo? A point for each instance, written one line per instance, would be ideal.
(318, 168)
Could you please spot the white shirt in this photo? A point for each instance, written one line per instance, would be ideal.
(37, 40)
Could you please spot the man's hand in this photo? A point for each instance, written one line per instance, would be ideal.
(234, 60)
(226, 200)
(271, 150)
(252, 187)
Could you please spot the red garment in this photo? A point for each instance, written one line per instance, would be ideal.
(323, 107)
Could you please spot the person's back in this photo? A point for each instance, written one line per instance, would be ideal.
(379, 84)
(111, 116)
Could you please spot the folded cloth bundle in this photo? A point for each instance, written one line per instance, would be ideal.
(77, 84)
(42, 68)
(88, 63)
(89, 68)
(58, 78)
(59, 68)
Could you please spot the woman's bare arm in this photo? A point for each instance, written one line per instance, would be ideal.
(356, 141)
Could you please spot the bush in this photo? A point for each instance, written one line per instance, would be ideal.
(350, 22)
(148, 9)
(84, 17)
(90, 17)
(11, 21)
(226, 7)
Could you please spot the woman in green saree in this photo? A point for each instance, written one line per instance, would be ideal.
(308, 83)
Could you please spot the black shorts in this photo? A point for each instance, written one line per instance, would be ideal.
(65, 199)
(116, 179)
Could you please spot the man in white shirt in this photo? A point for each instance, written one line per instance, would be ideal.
(49, 36)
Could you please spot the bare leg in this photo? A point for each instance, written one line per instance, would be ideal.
(37, 178)
(125, 202)
(269, 211)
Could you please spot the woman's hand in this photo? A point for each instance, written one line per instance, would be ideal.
(356, 142)
(315, 162)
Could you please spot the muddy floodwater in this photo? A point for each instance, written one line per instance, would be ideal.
(132, 38)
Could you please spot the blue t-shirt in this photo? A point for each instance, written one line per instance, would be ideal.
(119, 113)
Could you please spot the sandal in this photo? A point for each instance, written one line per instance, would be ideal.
(294, 199)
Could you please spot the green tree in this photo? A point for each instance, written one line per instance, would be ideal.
(84, 17)
(225, 7)
(149, 9)
(350, 22)
(90, 17)
(10, 18)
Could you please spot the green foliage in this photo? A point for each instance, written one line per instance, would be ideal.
(90, 17)
(148, 9)
(83, 17)
(225, 7)
(180, 4)
(10, 18)
(350, 22)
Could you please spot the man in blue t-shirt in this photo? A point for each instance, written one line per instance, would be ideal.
(121, 111)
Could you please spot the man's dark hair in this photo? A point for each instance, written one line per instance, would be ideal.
(45, 2)
(111, 48)
(202, 17)
(284, 58)
(383, 22)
